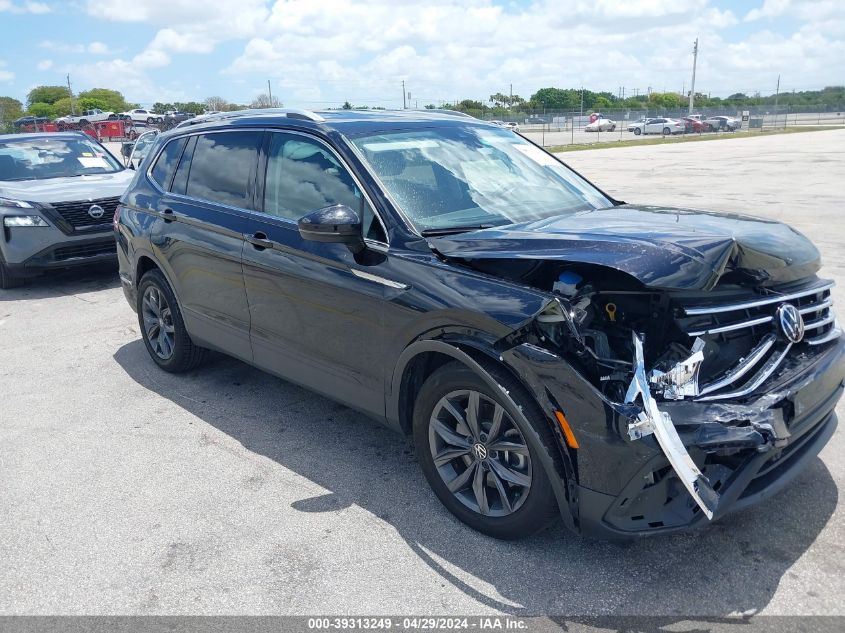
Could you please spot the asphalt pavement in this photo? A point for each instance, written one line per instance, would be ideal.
(126, 490)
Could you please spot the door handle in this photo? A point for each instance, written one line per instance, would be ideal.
(259, 241)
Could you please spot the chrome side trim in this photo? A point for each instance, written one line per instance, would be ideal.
(379, 280)
(759, 378)
(743, 368)
(825, 285)
(733, 326)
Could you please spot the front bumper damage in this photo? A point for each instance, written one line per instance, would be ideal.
(648, 466)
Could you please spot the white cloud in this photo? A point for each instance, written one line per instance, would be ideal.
(769, 9)
(5, 75)
(26, 7)
(45, 64)
(98, 48)
(333, 50)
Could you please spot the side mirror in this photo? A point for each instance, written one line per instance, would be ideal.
(337, 223)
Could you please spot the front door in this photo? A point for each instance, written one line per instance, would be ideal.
(316, 314)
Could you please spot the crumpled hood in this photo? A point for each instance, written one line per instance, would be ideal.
(681, 249)
(88, 187)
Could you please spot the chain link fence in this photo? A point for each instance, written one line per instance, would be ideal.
(566, 127)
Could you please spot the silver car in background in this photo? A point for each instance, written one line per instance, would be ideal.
(58, 195)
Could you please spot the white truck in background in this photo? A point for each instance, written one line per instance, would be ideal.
(87, 116)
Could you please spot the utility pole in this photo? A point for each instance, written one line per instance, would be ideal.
(692, 87)
(270, 93)
(70, 92)
(582, 101)
(404, 104)
(777, 92)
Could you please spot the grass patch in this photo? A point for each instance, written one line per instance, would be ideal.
(689, 138)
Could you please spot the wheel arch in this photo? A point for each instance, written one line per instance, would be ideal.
(423, 357)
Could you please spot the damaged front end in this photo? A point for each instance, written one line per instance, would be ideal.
(704, 401)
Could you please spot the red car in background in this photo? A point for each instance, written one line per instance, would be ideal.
(693, 125)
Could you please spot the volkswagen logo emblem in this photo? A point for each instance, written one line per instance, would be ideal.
(791, 323)
(480, 451)
(96, 211)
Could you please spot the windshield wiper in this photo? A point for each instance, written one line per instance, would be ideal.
(452, 230)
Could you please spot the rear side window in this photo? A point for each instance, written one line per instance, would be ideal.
(223, 167)
(166, 162)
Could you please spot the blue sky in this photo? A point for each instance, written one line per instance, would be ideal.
(319, 53)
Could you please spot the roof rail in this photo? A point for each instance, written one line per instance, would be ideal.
(291, 113)
(445, 111)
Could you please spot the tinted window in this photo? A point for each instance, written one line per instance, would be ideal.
(222, 167)
(166, 162)
(180, 180)
(304, 175)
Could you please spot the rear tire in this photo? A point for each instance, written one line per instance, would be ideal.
(150, 120)
(666, 131)
(163, 328)
(505, 494)
(7, 279)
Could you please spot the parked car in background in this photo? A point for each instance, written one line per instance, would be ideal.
(659, 126)
(29, 123)
(87, 116)
(724, 123)
(693, 125)
(633, 369)
(58, 195)
(175, 117)
(147, 116)
(641, 121)
(512, 126)
(600, 125)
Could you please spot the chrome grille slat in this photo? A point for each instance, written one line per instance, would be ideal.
(816, 307)
(741, 325)
(812, 325)
(759, 378)
(834, 333)
(753, 323)
(806, 292)
(743, 368)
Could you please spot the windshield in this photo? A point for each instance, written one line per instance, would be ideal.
(43, 158)
(474, 176)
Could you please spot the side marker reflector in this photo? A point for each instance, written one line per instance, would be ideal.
(568, 435)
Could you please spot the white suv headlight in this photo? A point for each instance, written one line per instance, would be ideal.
(24, 220)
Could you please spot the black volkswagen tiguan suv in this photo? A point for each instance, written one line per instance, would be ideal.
(552, 351)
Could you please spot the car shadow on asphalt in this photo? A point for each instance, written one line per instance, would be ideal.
(731, 567)
(68, 282)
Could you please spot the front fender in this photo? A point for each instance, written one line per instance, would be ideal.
(477, 355)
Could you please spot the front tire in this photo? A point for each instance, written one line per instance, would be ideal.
(163, 328)
(478, 456)
(637, 131)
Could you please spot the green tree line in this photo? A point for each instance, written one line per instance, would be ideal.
(576, 99)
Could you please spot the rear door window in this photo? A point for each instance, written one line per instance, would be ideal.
(166, 162)
(223, 167)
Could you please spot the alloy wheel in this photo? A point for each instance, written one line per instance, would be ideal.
(480, 453)
(158, 322)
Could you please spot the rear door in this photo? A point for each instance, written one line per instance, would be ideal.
(316, 310)
(200, 234)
